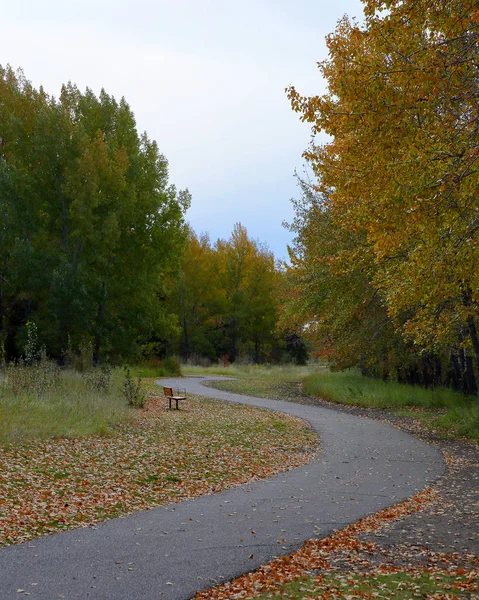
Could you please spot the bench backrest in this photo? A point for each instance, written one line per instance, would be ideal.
(168, 391)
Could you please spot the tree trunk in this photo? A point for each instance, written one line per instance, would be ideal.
(2, 332)
(233, 340)
(475, 346)
(99, 327)
(186, 345)
(256, 350)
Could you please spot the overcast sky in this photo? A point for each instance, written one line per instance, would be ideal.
(205, 78)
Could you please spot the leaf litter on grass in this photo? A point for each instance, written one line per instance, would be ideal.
(343, 566)
(162, 456)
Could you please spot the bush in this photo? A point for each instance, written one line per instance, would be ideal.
(132, 391)
(169, 367)
(172, 366)
(99, 379)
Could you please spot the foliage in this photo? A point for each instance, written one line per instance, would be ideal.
(399, 170)
(132, 391)
(90, 225)
(172, 366)
(226, 298)
(99, 379)
(334, 304)
(157, 457)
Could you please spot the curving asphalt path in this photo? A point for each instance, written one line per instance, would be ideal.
(174, 551)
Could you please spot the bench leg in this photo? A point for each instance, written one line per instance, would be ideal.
(169, 402)
(177, 404)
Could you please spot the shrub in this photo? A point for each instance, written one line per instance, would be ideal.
(132, 391)
(172, 366)
(99, 379)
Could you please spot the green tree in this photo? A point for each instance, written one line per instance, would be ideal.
(94, 228)
(247, 277)
(225, 298)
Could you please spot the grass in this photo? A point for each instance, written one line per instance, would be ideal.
(168, 367)
(70, 407)
(439, 409)
(274, 387)
(400, 585)
(357, 390)
(257, 372)
(42, 401)
(157, 457)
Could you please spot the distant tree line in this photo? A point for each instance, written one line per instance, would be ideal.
(227, 302)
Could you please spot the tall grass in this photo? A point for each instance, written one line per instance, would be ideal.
(67, 404)
(286, 372)
(450, 411)
(358, 390)
(168, 367)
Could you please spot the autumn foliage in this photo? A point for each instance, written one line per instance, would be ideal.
(226, 299)
(397, 225)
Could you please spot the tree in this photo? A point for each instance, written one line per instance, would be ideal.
(329, 297)
(247, 276)
(93, 225)
(400, 168)
(226, 297)
(194, 295)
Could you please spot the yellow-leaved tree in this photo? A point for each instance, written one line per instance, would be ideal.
(401, 163)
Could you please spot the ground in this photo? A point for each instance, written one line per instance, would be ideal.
(436, 534)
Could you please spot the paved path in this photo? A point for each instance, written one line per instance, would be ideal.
(171, 552)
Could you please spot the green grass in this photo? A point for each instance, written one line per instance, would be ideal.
(357, 390)
(440, 409)
(168, 367)
(401, 586)
(70, 408)
(260, 372)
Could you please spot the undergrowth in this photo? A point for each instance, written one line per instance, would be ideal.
(42, 401)
(168, 367)
(265, 372)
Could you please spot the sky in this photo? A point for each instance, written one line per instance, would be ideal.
(204, 78)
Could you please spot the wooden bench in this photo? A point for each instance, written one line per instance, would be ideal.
(168, 391)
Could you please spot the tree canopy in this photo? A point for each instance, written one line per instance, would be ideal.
(90, 225)
(226, 298)
(398, 173)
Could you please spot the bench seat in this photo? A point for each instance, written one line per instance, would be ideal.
(168, 391)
